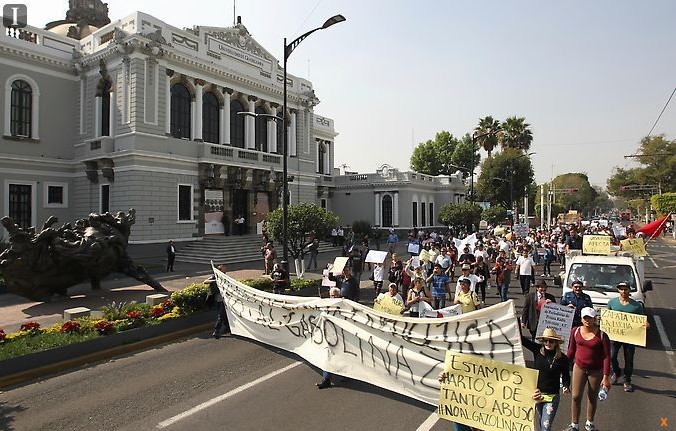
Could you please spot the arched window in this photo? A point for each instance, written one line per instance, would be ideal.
(236, 124)
(105, 108)
(180, 111)
(261, 130)
(386, 211)
(21, 108)
(280, 133)
(210, 118)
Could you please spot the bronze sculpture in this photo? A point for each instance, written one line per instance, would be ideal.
(37, 266)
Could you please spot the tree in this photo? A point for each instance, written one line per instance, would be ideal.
(304, 218)
(494, 215)
(664, 203)
(466, 215)
(516, 134)
(573, 192)
(658, 157)
(487, 132)
(443, 155)
(497, 172)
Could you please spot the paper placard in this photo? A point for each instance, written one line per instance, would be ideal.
(596, 244)
(521, 230)
(634, 245)
(389, 305)
(619, 231)
(424, 256)
(415, 261)
(413, 248)
(624, 327)
(376, 256)
(339, 264)
(559, 318)
(487, 394)
(325, 279)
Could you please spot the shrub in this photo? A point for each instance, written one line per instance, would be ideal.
(191, 299)
(103, 327)
(2, 335)
(302, 283)
(114, 311)
(43, 341)
(263, 283)
(70, 327)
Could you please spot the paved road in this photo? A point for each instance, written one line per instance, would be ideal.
(235, 384)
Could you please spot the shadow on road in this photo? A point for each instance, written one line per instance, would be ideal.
(7, 415)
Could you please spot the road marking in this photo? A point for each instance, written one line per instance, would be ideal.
(654, 263)
(665, 340)
(429, 422)
(225, 396)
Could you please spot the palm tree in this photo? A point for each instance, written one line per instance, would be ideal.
(487, 133)
(516, 134)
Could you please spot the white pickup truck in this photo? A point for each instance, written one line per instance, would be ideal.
(601, 274)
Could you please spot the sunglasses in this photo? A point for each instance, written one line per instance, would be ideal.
(547, 341)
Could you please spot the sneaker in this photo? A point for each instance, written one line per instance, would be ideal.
(613, 378)
(323, 384)
(571, 427)
(589, 426)
(216, 335)
(628, 387)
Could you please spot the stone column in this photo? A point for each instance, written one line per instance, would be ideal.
(199, 92)
(395, 209)
(376, 196)
(272, 129)
(167, 103)
(250, 129)
(293, 150)
(225, 115)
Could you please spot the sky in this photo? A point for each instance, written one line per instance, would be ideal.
(590, 77)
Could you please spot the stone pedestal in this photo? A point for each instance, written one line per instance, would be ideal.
(156, 299)
(73, 313)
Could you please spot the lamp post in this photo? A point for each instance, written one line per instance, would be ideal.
(288, 49)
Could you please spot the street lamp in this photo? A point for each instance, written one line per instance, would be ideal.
(288, 49)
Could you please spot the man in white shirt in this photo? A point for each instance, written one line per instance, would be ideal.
(505, 245)
(525, 267)
(480, 252)
(444, 260)
(467, 275)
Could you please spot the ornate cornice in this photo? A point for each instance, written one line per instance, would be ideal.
(16, 52)
(199, 81)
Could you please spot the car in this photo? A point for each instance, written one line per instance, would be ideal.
(601, 274)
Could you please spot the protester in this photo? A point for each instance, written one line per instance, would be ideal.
(482, 271)
(548, 259)
(578, 300)
(589, 349)
(334, 237)
(466, 273)
(239, 223)
(356, 262)
(553, 367)
(214, 298)
(503, 274)
(348, 285)
(313, 250)
(525, 267)
(334, 292)
(625, 304)
(392, 292)
(280, 279)
(440, 286)
(532, 305)
(468, 300)
(377, 277)
(171, 256)
(269, 257)
(394, 274)
(417, 294)
(392, 241)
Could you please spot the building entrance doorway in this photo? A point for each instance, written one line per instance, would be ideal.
(240, 208)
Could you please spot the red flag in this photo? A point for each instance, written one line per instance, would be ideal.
(653, 229)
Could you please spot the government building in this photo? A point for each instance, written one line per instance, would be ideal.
(103, 116)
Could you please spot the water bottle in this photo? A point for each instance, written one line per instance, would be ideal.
(603, 394)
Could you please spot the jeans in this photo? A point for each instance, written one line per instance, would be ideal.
(546, 413)
(525, 283)
(461, 427)
(481, 287)
(326, 375)
(438, 302)
(629, 350)
(502, 290)
(548, 267)
(221, 318)
(313, 258)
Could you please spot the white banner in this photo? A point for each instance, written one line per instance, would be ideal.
(559, 318)
(401, 354)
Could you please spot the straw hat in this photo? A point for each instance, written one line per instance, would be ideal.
(549, 334)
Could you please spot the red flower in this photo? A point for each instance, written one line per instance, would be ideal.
(2, 335)
(104, 327)
(167, 304)
(134, 315)
(30, 326)
(157, 311)
(70, 326)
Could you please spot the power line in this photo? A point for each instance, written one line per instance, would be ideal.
(308, 17)
(663, 109)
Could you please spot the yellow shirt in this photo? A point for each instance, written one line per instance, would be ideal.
(468, 301)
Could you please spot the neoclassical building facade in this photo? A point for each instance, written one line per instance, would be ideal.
(135, 113)
(403, 200)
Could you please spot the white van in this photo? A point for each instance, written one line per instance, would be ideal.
(600, 276)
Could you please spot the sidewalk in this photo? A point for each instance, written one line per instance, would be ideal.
(15, 310)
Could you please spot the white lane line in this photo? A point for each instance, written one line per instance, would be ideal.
(429, 422)
(654, 263)
(225, 396)
(665, 341)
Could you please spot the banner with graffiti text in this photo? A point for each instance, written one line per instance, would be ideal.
(401, 354)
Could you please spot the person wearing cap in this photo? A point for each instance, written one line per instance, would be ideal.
(466, 274)
(553, 367)
(578, 300)
(532, 306)
(589, 349)
(625, 304)
(440, 286)
(466, 257)
(393, 292)
(468, 300)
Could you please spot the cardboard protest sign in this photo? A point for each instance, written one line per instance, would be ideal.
(325, 279)
(487, 394)
(596, 244)
(389, 305)
(398, 353)
(521, 230)
(624, 327)
(415, 261)
(634, 245)
(413, 248)
(619, 230)
(376, 256)
(559, 318)
(339, 264)
(424, 256)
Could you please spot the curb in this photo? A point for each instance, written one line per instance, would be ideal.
(33, 373)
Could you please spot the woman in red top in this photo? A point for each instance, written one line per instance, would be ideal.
(589, 349)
